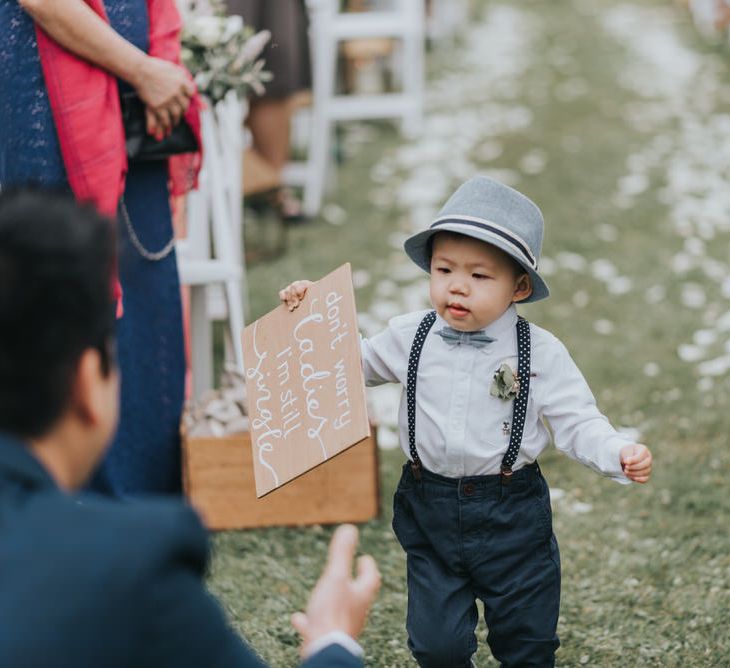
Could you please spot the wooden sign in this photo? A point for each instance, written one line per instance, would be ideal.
(304, 382)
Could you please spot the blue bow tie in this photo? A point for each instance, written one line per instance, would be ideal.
(452, 336)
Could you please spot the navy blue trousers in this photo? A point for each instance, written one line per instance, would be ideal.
(474, 538)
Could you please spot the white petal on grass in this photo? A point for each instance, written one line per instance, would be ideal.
(334, 214)
(571, 143)
(580, 507)
(705, 384)
(714, 367)
(385, 401)
(415, 297)
(704, 337)
(416, 192)
(723, 322)
(397, 239)
(693, 295)
(361, 278)
(556, 493)
(655, 294)
(675, 394)
(567, 91)
(534, 161)
(383, 198)
(406, 271)
(603, 326)
(603, 270)
(620, 285)
(571, 261)
(507, 176)
(581, 298)
(488, 151)
(382, 172)
(384, 310)
(633, 184)
(714, 269)
(548, 266)
(690, 353)
(387, 438)
(694, 246)
(622, 201)
(369, 325)
(606, 232)
(682, 263)
(386, 288)
(651, 369)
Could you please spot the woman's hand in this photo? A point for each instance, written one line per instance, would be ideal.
(166, 90)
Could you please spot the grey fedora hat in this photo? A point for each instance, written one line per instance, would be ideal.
(496, 214)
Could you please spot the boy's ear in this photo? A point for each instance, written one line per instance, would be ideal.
(523, 288)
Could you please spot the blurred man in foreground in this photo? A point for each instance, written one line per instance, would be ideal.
(86, 581)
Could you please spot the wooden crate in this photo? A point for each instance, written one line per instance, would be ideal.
(219, 482)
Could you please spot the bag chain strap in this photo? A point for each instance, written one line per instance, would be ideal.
(152, 256)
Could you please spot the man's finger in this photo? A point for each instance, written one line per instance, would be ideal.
(367, 581)
(299, 622)
(341, 551)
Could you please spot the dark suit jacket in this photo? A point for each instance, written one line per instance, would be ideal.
(90, 582)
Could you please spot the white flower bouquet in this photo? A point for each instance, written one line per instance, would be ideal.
(221, 53)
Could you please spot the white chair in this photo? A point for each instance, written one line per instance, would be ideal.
(212, 254)
(404, 22)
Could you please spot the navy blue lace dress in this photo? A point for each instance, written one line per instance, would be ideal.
(145, 454)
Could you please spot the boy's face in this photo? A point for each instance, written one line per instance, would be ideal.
(472, 282)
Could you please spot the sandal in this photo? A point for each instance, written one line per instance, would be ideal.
(288, 206)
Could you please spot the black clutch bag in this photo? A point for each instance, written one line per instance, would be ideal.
(144, 147)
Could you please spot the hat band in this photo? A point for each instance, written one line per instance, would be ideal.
(496, 230)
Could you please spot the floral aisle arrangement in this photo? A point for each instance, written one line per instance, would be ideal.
(221, 53)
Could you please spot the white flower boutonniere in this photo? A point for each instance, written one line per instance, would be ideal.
(505, 384)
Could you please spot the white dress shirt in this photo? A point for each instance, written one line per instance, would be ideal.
(461, 429)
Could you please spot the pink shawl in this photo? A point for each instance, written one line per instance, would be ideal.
(85, 105)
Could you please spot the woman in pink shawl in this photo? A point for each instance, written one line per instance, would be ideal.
(63, 66)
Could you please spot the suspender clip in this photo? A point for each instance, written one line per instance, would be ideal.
(506, 472)
(416, 470)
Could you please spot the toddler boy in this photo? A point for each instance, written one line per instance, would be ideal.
(481, 384)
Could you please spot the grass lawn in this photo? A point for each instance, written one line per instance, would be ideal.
(614, 118)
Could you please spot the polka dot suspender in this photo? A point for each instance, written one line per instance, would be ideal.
(413, 360)
(520, 404)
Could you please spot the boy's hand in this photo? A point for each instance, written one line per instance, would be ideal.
(293, 293)
(636, 462)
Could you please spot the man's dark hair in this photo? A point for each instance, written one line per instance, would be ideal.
(56, 264)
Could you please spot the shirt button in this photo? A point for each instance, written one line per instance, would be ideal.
(468, 489)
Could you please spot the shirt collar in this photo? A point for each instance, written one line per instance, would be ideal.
(18, 463)
(505, 323)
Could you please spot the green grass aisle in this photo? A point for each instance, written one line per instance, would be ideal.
(615, 118)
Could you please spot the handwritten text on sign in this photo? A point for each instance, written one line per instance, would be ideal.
(306, 397)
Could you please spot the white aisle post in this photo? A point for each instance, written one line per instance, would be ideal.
(210, 255)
